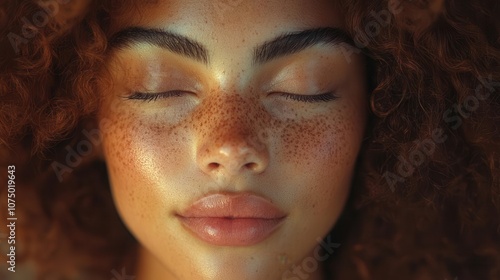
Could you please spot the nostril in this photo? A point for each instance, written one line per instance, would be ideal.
(251, 165)
(213, 165)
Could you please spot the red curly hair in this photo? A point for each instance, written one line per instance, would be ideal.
(425, 202)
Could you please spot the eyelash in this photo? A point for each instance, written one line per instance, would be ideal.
(324, 97)
(148, 97)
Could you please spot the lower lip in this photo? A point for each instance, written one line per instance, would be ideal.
(231, 232)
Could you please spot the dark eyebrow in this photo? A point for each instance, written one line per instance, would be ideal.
(285, 44)
(161, 38)
(294, 42)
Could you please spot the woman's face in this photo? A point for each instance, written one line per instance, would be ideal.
(223, 176)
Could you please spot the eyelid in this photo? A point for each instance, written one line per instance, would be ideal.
(153, 96)
(313, 98)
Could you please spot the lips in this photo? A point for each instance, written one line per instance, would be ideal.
(232, 219)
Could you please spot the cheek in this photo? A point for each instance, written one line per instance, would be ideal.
(319, 140)
(133, 149)
(327, 142)
(322, 153)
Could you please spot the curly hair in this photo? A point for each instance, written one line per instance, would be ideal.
(425, 202)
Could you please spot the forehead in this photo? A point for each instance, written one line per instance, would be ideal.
(234, 19)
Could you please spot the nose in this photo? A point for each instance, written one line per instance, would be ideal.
(229, 144)
(231, 157)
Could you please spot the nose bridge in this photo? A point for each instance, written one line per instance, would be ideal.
(229, 118)
(233, 126)
(229, 135)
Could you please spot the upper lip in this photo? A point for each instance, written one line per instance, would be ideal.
(233, 205)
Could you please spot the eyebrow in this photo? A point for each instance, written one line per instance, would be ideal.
(285, 44)
(176, 43)
(294, 42)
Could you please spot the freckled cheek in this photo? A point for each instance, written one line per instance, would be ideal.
(325, 151)
(326, 143)
(141, 157)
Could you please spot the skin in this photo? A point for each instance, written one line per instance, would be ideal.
(231, 134)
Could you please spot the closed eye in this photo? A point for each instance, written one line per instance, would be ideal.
(324, 97)
(155, 96)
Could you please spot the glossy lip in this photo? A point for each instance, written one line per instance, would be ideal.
(223, 219)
